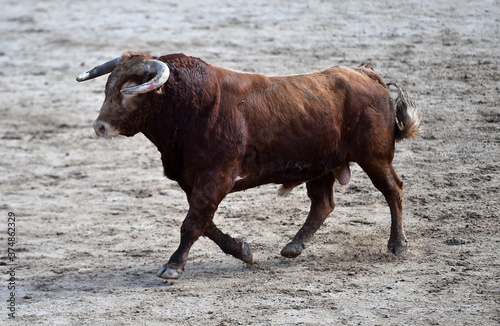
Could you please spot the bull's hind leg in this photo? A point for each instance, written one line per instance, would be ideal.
(385, 179)
(231, 246)
(320, 191)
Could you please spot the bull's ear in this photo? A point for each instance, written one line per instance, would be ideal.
(162, 72)
(100, 70)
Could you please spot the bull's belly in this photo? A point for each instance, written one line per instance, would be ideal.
(290, 174)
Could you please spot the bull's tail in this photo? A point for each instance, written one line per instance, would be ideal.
(408, 116)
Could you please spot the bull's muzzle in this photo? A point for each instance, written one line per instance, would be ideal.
(104, 130)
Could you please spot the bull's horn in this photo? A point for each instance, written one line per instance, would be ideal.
(100, 70)
(162, 73)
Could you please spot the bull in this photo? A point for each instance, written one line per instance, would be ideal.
(221, 131)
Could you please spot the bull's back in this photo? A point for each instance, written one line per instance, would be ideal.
(291, 126)
(299, 127)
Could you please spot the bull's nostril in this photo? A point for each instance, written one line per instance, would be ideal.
(100, 129)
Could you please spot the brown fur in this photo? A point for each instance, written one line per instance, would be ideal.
(220, 131)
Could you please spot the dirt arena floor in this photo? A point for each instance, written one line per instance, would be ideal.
(96, 219)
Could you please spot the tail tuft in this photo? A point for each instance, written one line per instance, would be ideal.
(408, 116)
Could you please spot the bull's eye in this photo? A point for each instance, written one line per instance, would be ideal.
(120, 112)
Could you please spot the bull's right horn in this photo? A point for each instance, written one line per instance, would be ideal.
(162, 72)
(100, 70)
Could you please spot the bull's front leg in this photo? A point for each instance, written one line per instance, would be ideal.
(236, 248)
(203, 202)
(208, 191)
(192, 228)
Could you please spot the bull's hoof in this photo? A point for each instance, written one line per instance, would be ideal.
(246, 253)
(398, 247)
(292, 250)
(169, 273)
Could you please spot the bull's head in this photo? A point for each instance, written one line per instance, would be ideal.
(132, 76)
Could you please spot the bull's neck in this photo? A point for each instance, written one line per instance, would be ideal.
(158, 125)
(161, 130)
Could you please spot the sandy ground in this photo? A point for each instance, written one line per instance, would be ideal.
(96, 219)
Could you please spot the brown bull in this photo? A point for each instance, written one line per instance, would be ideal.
(221, 131)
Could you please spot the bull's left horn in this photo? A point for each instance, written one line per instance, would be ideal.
(162, 73)
(100, 70)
